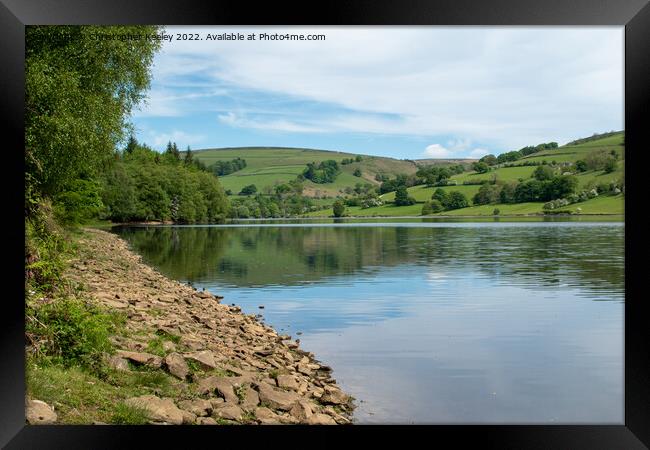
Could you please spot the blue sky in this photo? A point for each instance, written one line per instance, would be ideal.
(403, 92)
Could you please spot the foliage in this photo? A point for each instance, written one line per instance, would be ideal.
(69, 331)
(426, 209)
(141, 186)
(357, 172)
(490, 160)
(79, 91)
(248, 190)
(325, 172)
(434, 175)
(487, 193)
(338, 208)
(480, 167)
(543, 173)
(222, 168)
(456, 200)
(402, 198)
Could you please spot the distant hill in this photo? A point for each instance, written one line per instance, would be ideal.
(431, 161)
(569, 153)
(267, 166)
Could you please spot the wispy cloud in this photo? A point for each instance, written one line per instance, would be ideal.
(486, 87)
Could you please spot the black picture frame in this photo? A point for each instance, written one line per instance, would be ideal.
(633, 14)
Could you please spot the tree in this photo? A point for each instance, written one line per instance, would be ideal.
(487, 193)
(402, 197)
(441, 195)
(496, 212)
(79, 92)
(426, 209)
(610, 165)
(581, 166)
(480, 167)
(358, 158)
(543, 173)
(357, 172)
(338, 208)
(456, 200)
(436, 206)
(131, 145)
(248, 190)
(189, 158)
(490, 160)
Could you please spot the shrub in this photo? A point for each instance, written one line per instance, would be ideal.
(338, 208)
(71, 332)
(456, 200)
(426, 209)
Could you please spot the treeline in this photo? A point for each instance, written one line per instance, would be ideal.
(143, 185)
(325, 172)
(432, 175)
(283, 200)
(594, 137)
(490, 160)
(222, 168)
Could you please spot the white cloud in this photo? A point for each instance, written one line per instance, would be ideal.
(181, 138)
(437, 151)
(478, 153)
(503, 87)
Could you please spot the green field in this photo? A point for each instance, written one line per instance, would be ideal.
(268, 166)
(599, 205)
(568, 153)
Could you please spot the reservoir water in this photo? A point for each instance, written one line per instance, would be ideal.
(429, 322)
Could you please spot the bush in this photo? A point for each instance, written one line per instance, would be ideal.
(456, 200)
(426, 209)
(402, 198)
(248, 190)
(436, 206)
(71, 332)
(338, 208)
(357, 172)
(496, 212)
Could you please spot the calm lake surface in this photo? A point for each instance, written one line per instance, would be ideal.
(427, 321)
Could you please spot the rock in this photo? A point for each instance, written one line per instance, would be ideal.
(176, 365)
(169, 346)
(334, 397)
(197, 406)
(216, 402)
(320, 419)
(301, 410)
(118, 363)
(287, 381)
(304, 369)
(221, 385)
(231, 412)
(141, 358)
(206, 421)
(159, 409)
(38, 412)
(276, 398)
(188, 417)
(266, 417)
(251, 399)
(205, 358)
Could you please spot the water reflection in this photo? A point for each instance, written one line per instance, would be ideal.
(430, 322)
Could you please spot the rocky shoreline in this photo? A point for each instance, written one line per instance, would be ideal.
(230, 368)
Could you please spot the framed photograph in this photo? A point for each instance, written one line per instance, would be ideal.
(372, 216)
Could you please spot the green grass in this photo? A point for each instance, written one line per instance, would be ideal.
(267, 166)
(423, 193)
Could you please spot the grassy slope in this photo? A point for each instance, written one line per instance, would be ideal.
(601, 205)
(266, 166)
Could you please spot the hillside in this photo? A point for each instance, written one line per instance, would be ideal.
(569, 153)
(267, 166)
